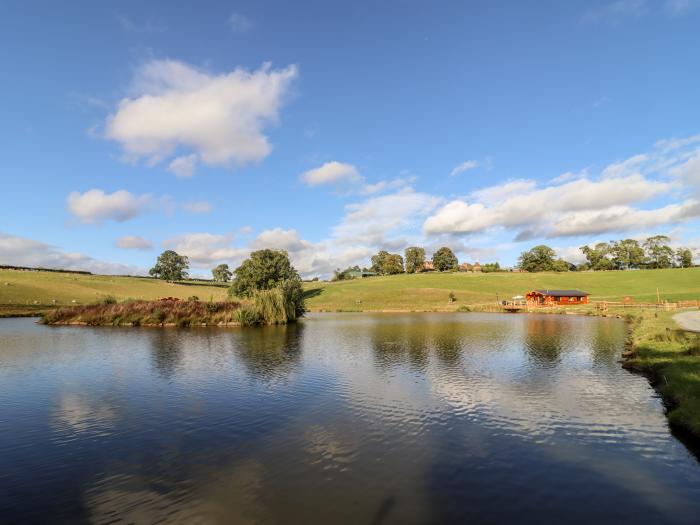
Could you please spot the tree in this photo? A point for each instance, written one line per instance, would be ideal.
(659, 253)
(264, 270)
(415, 258)
(386, 263)
(538, 259)
(444, 259)
(684, 257)
(170, 266)
(221, 273)
(490, 267)
(560, 265)
(627, 254)
(343, 275)
(598, 257)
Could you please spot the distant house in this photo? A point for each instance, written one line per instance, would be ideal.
(476, 267)
(427, 267)
(359, 274)
(465, 267)
(552, 297)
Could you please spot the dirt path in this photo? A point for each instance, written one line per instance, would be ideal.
(688, 321)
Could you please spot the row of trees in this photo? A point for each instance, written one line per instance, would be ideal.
(625, 254)
(386, 263)
(653, 252)
(412, 261)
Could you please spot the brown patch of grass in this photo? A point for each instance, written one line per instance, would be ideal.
(148, 313)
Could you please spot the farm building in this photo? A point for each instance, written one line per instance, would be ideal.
(465, 267)
(428, 266)
(552, 297)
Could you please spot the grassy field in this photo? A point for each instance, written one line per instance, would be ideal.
(25, 291)
(671, 357)
(430, 291)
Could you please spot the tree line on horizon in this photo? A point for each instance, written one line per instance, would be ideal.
(266, 268)
(654, 252)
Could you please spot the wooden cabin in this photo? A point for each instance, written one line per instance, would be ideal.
(556, 297)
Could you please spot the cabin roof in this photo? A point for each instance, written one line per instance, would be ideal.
(562, 293)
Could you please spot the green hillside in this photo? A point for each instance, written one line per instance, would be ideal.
(429, 291)
(40, 289)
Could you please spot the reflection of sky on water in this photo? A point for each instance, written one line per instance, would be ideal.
(391, 418)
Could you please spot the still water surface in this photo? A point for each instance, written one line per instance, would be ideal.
(415, 418)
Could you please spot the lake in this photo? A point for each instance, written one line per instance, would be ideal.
(341, 418)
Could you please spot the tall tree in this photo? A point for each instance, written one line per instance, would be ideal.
(221, 273)
(386, 263)
(538, 259)
(627, 254)
(659, 253)
(598, 257)
(415, 258)
(444, 259)
(170, 266)
(684, 257)
(264, 270)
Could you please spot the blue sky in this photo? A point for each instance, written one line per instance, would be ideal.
(335, 129)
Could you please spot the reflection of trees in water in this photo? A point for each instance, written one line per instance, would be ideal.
(412, 344)
(166, 351)
(544, 339)
(271, 351)
(607, 338)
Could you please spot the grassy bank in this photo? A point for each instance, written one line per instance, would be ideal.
(276, 306)
(671, 358)
(430, 291)
(32, 292)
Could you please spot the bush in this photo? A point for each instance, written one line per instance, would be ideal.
(193, 298)
(110, 299)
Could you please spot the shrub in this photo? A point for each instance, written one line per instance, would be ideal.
(110, 299)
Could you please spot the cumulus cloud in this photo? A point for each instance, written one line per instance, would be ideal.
(183, 167)
(197, 207)
(22, 251)
(134, 242)
(464, 166)
(332, 173)
(95, 206)
(370, 221)
(220, 118)
(521, 204)
(206, 249)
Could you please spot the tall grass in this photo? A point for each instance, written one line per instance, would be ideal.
(147, 313)
(279, 305)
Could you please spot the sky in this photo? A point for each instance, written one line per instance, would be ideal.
(335, 129)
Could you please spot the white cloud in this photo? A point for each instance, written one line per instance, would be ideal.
(332, 173)
(21, 251)
(183, 167)
(464, 166)
(240, 23)
(221, 118)
(520, 204)
(206, 249)
(134, 242)
(197, 207)
(95, 206)
(369, 222)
